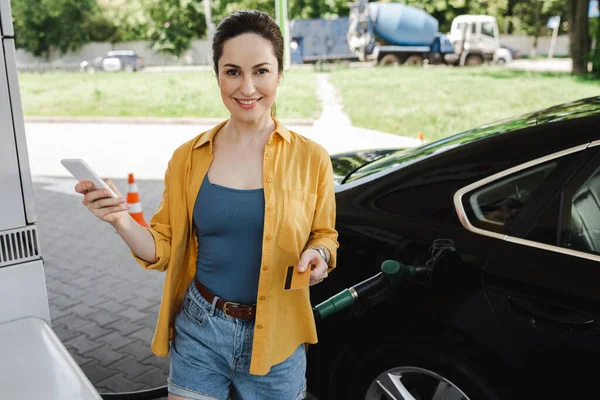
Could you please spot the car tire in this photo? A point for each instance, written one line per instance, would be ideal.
(371, 364)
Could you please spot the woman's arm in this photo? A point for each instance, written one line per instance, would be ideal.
(323, 232)
(139, 239)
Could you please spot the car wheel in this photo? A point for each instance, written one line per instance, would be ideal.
(413, 383)
(501, 61)
(412, 369)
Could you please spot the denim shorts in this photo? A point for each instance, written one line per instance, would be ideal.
(210, 358)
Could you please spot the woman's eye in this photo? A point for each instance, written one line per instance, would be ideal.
(262, 71)
(232, 72)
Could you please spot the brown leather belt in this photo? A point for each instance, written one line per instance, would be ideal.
(230, 309)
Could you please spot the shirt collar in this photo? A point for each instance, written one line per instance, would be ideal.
(208, 136)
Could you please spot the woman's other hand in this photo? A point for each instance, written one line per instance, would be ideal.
(318, 265)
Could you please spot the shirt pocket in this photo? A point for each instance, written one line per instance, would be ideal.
(295, 222)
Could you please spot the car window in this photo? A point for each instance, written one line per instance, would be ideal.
(581, 228)
(487, 29)
(493, 207)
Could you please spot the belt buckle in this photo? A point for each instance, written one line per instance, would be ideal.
(225, 311)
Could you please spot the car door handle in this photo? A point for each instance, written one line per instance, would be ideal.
(548, 313)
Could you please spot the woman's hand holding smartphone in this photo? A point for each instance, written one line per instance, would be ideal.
(101, 203)
(100, 196)
(104, 200)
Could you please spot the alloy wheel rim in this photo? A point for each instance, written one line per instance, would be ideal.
(413, 383)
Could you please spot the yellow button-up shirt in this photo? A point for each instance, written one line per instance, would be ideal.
(299, 212)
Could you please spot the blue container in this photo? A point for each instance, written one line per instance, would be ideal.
(402, 25)
(319, 39)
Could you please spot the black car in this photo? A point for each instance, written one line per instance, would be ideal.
(112, 61)
(503, 224)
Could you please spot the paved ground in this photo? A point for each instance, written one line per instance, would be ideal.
(103, 304)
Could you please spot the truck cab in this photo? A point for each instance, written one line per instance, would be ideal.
(475, 37)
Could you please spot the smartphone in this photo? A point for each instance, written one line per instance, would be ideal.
(83, 172)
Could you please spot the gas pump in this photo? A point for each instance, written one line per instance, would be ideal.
(34, 362)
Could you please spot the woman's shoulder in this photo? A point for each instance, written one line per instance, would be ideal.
(310, 146)
(182, 152)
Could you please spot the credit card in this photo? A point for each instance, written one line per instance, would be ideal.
(295, 279)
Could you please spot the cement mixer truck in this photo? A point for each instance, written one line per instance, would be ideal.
(395, 33)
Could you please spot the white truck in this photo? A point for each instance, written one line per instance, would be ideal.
(476, 39)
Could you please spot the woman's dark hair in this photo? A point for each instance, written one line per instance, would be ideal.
(248, 21)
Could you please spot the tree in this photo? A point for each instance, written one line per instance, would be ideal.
(130, 19)
(595, 56)
(101, 29)
(579, 35)
(174, 23)
(223, 8)
(41, 25)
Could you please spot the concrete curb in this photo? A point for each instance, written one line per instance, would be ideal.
(148, 120)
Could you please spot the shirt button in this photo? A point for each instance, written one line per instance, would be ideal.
(269, 180)
(262, 297)
(269, 154)
(265, 268)
(268, 238)
(270, 208)
(259, 326)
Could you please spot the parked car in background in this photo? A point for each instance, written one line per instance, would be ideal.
(502, 56)
(116, 60)
(511, 308)
(505, 55)
(515, 53)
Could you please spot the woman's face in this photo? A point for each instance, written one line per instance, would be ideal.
(248, 77)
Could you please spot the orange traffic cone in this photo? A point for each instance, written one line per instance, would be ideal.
(133, 198)
(420, 137)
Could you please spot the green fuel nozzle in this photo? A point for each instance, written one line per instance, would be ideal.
(393, 274)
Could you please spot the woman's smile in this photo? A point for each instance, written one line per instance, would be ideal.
(247, 103)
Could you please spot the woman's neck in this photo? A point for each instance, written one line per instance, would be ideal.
(248, 132)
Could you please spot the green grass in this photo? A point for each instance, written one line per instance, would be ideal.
(440, 102)
(182, 94)
(435, 101)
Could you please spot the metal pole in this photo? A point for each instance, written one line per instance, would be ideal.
(553, 40)
(210, 29)
(281, 15)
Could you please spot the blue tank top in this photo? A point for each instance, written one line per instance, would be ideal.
(229, 227)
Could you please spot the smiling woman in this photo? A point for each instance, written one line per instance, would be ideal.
(252, 86)
(242, 203)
